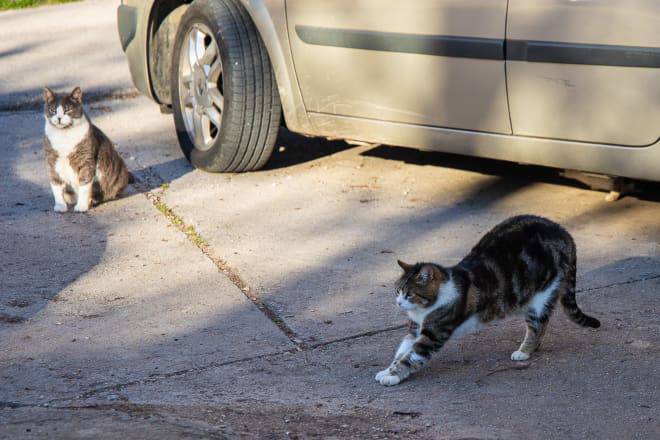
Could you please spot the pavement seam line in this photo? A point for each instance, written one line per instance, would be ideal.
(202, 368)
(119, 386)
(358, 336)
(621, 283)
(151, 379)
(202, 244)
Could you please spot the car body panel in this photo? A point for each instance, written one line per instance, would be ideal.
(613, 104)
(610, 111)
(133, 26)
(403, 84)
(269, 17)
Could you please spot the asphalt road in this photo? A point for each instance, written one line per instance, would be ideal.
(261, 304)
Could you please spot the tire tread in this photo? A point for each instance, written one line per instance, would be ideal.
(249, 129)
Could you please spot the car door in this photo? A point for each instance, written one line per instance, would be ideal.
(585, 70)
(427, 62)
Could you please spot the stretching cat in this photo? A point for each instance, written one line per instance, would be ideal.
(82, 162)
(524, 262)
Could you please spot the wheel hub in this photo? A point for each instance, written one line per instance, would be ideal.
(200, 86)
(200, 89)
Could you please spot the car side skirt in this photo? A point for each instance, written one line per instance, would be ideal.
(633, 162)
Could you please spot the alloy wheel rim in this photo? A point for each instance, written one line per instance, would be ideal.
(200, 87)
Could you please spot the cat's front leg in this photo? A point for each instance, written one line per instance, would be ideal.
(404, 347)
(401, 367)
(84, 197)
(415, 358)
(58, 195)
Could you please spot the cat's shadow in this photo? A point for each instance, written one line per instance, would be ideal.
(42, 251)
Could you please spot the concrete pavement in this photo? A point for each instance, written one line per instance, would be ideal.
(260, 304)
(60, 47)
(126, 316)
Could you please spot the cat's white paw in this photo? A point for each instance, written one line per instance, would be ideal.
(382, 374)
(81, 208)
(60, 207)
(519, 356)
(389, 380)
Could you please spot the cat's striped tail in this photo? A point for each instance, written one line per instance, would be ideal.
(567, 300)
(575, 314)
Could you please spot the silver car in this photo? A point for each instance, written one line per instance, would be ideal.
(567, 84)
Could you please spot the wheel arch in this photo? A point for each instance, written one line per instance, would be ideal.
(269, 17)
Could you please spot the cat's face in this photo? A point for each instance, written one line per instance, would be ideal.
(418, 286)
(63, 111)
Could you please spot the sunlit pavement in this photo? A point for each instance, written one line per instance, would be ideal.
(216, 306)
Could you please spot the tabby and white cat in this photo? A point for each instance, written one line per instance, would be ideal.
(524, 262)
(82, 162)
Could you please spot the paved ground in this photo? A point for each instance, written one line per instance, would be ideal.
(260, 305)
(60, 47)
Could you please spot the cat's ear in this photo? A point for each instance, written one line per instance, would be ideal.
(426, 274)
(429, 272)
(76, 95)
(405, 266)
(48, 94)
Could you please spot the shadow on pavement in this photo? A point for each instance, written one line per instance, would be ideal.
(299, 149)
(41, 252)
(643, 190)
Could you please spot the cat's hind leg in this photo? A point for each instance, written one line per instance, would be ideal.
(538, 313)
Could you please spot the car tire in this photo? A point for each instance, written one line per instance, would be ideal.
(226, 115)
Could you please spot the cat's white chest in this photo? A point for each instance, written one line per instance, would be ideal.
(65, 171)
(64, 141)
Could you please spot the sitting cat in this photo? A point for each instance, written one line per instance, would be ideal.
(82, 162)
(524, 262)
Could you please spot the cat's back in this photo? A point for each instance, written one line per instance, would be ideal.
(515, 234)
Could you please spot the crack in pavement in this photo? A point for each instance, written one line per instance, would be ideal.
(226, 269)
(198, 240)
(620, 283)
(298, 348)
(153, 379)
(307, 348)
(129, 409)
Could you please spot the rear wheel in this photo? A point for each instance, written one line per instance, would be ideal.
(224, 95)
